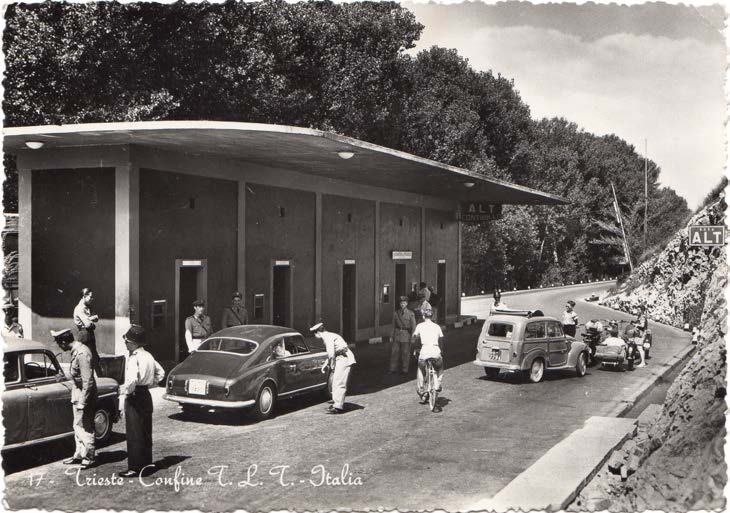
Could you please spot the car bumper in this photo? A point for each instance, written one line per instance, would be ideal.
(212, 403)
(498, 365)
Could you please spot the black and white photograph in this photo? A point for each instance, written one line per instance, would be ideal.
(318, 256)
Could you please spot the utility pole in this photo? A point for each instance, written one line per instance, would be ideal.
(646, 191)
(627, 253)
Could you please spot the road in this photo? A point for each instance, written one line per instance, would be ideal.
(394, 452)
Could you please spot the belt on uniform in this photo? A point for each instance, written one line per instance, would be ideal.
(140, 387)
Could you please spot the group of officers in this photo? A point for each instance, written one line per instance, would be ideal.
(142, 372)
(198, 326)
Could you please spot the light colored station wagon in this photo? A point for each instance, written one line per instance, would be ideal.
(521, 343)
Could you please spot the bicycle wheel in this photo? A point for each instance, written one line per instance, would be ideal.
(432, 388)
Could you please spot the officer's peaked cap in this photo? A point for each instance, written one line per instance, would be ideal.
(135, 334)
(62, 336)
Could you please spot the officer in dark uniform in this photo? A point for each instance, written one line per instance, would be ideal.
(197, 327)
(235, 314)
(404, 324)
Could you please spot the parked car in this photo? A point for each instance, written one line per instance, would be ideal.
(529, 344)
(37, 397)
(239, 367)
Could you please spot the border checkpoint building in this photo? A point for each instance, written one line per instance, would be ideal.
(307, 224)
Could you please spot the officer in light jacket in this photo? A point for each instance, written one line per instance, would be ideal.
(340, 360)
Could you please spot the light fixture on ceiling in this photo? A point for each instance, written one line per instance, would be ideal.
(34, 145)
(345, 155)
(469, 185)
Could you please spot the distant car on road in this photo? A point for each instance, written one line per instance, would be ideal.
(529, 344)
(593, 297)
(37, 397)
(249, 367)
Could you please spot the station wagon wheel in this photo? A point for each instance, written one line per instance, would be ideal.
(102, 426)
(491, 372)
(266, 401)
(580, 366)
(537, 370)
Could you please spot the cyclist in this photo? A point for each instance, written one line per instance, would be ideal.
(431, 337)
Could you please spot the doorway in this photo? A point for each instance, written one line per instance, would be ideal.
(441, 291)
(400, 281)
(349, 302)
(281, 295)
(191, 283)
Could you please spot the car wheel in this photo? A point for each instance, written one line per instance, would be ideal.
(537, 370)
(491, 372)
(580, 366)
(266, 401)
(102, 426)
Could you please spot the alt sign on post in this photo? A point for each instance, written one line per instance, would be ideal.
(707, 236)
(477, 211)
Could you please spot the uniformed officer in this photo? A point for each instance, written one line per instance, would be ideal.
(404, 324)
(141, 373)
(340, 360)
(11, 328)
(83, 397)
(86, 324)
(197, 327)
(235, 314)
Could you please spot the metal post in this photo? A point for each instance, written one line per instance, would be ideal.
(646, 191)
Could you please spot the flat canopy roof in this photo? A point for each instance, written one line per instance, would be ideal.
(298, 149)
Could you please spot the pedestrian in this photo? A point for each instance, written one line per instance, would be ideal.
(570, 319)
(340, 360)
(498, 304)
(431, 337)
(86, 324)
(83, 398)
(404, 323)
(235, 314)
(197, 327)
(11, 328)
(141, 373)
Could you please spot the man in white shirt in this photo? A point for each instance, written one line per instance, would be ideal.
(142, 372)
(340, 360)
(570, 319)
(86, 324)
(430, 334)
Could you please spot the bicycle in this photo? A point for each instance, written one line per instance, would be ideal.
(430, 380)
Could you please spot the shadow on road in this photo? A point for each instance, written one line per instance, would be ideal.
(28, 457)
(167, 462)
(519, 378)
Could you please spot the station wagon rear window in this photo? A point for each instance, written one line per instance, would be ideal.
(500, 329)
(229, 345)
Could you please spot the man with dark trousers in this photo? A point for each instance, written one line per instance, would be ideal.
(142, 372)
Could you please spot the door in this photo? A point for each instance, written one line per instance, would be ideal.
(400, 281)
(49, 393)
(281, 296)
(441, 291)
(349, 306)
(15, 401)
(308, 364)
(558, 344)
(191, 283)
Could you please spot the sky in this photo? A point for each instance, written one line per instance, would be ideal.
(650, 71)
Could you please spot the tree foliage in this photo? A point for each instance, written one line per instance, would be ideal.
(343, 68)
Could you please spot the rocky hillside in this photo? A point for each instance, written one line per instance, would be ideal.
(676, 461)
(673, 284)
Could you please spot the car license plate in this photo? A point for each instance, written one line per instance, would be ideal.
(197, 387)
(495, 354)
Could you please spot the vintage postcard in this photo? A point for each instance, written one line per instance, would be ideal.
(317, 256)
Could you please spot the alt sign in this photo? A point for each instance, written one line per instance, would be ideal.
(477, 211)
(707, 236)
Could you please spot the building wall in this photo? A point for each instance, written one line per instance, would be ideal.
(400, 230)
(442, 244)
(271, 236)
(171, 227)
(72, 248)
(348, 233)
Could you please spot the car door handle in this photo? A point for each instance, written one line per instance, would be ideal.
(31, 387)
(291, 366)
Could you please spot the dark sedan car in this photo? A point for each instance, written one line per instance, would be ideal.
(249, 366)
(37, 397)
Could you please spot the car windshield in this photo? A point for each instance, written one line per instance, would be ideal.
(500, 329)
(229, 345)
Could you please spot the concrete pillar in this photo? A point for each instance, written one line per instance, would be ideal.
(458, 271)
(318, 257)
(423, 244)
(376, 267)
(241, 248)
(25, 248)
(126, 263)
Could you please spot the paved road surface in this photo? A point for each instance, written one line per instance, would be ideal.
(487, 433)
